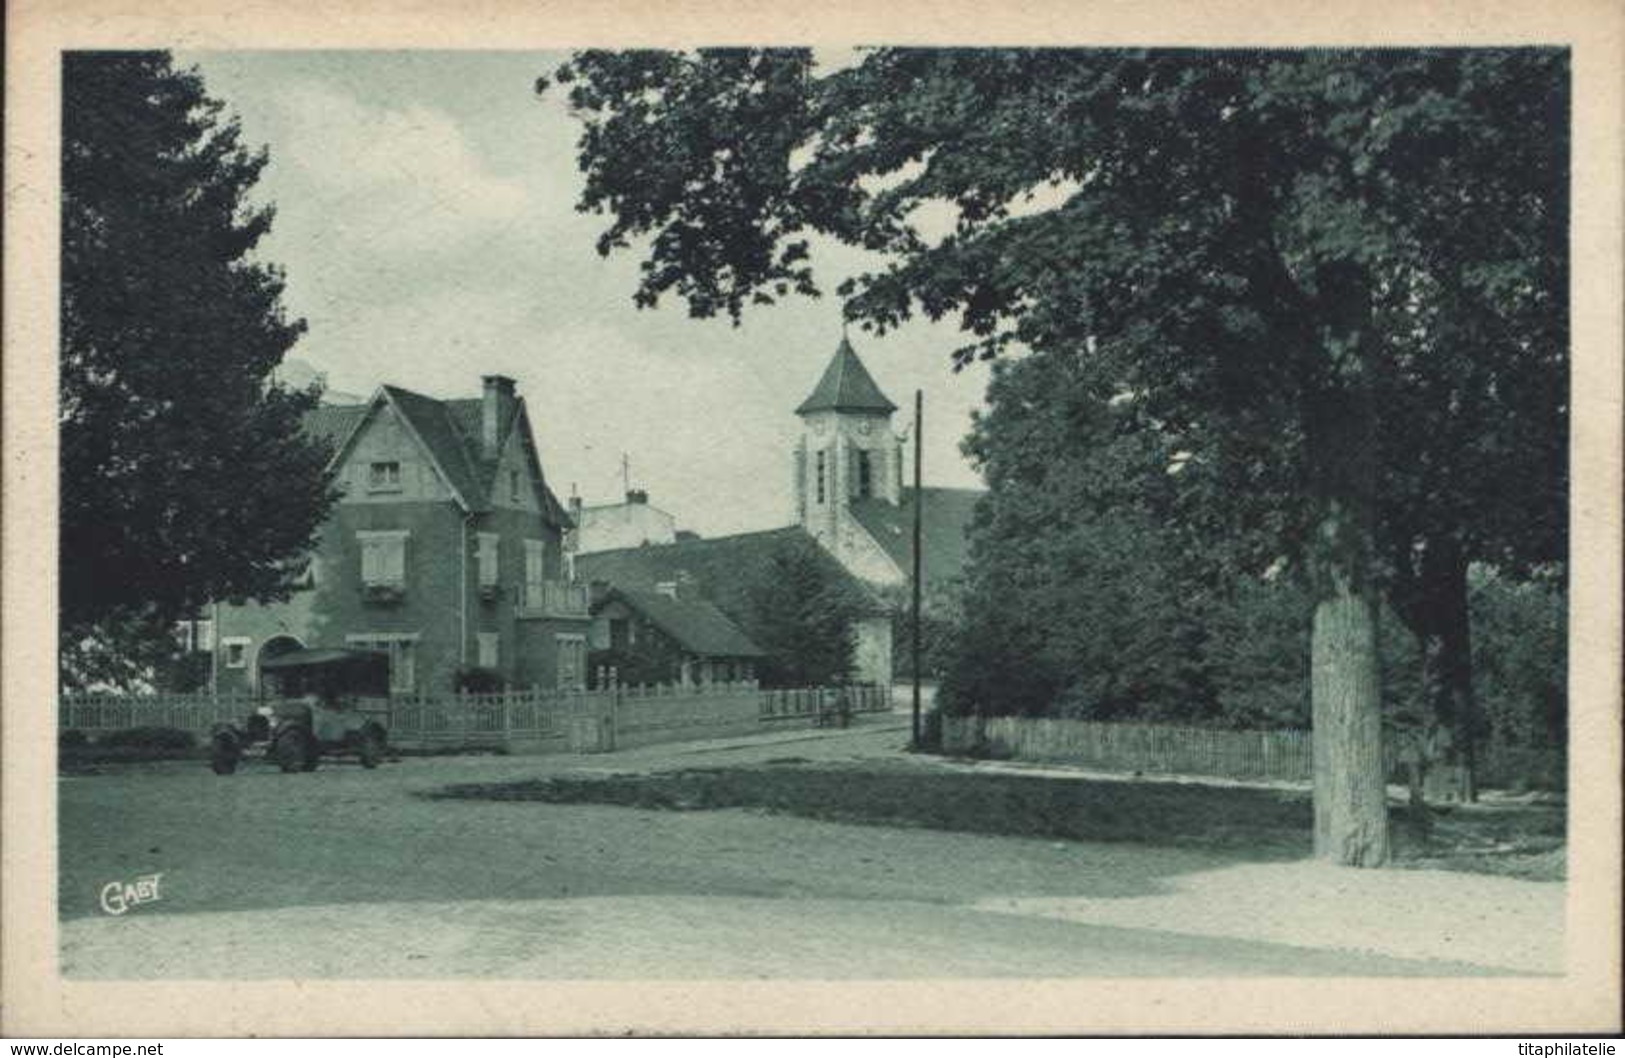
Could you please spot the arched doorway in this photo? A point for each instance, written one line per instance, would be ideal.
(274, 647)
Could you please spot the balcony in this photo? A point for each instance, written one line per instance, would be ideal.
(383, 593)
(553, 598)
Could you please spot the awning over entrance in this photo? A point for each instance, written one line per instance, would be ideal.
(320, 657)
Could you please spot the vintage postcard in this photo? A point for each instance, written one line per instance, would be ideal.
(558, 519)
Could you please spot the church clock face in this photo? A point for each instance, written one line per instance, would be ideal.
(818, 426)
(864, 426)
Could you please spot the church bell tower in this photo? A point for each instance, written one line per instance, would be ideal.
(847, 453)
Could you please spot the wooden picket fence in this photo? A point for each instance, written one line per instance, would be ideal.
(534, 720)
(197, 713)
(1159, 749)
(1147, 748)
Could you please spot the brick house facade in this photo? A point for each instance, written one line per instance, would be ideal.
(446, 550)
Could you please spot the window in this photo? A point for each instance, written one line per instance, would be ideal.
(488, 650)
(236, 651)
(488, 543)
(535, 561)
(384, 477)
(865, 475)
(401, 649)
(572, 660)
(513, 485)
(383, 558)
(193, 636)
(821, 468)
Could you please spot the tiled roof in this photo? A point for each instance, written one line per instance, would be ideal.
(450, 429)
(723, 570)
(467, 416)
(332, 423)
(696, 625)
(455, 451)
(846, 386)
(945, 515)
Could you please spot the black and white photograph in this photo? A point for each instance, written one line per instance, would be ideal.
(1076, 518)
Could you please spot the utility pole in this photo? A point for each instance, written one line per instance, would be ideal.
(919, 451)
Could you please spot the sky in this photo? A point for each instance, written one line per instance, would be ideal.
(425, 217)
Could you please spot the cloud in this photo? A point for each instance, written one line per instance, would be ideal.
(390, 182)
(439, 342)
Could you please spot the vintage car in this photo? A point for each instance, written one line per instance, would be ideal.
(315, 703)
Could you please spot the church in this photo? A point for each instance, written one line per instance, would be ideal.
(849, 484)
(848, 476)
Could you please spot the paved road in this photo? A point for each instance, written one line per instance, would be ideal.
(344, 873)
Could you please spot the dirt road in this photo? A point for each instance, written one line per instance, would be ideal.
(350, 874)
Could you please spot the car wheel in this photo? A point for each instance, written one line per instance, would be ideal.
(223, 754)
(372, 747)
(293, 750)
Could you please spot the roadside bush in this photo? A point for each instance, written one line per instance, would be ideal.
(150, 738)
(72, 738)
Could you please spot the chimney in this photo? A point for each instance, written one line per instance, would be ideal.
(496, 412)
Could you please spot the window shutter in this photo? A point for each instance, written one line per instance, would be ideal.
(488, 545)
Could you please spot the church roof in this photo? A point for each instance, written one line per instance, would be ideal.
(945, 515)
(846, 386)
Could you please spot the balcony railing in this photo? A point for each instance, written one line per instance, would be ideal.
(553, 598)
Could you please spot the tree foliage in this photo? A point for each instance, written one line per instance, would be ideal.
(185, 477)
(802, 614)
(1280, 259)
(1520, 662)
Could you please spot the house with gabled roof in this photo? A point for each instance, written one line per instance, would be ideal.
(447, 551)
(850, 500)
(727, 571)
(659, 637)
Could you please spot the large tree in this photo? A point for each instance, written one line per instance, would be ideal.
(1239, 236)
(185, 477)
(1078, 558)
(802, 611)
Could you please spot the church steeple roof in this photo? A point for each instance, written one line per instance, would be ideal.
(846, 386)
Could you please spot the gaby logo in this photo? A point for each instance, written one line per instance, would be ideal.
(119, 897)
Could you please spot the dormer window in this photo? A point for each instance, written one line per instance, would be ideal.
(384, 477)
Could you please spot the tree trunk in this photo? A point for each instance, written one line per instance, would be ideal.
(1351, 810)
(1350, 789)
